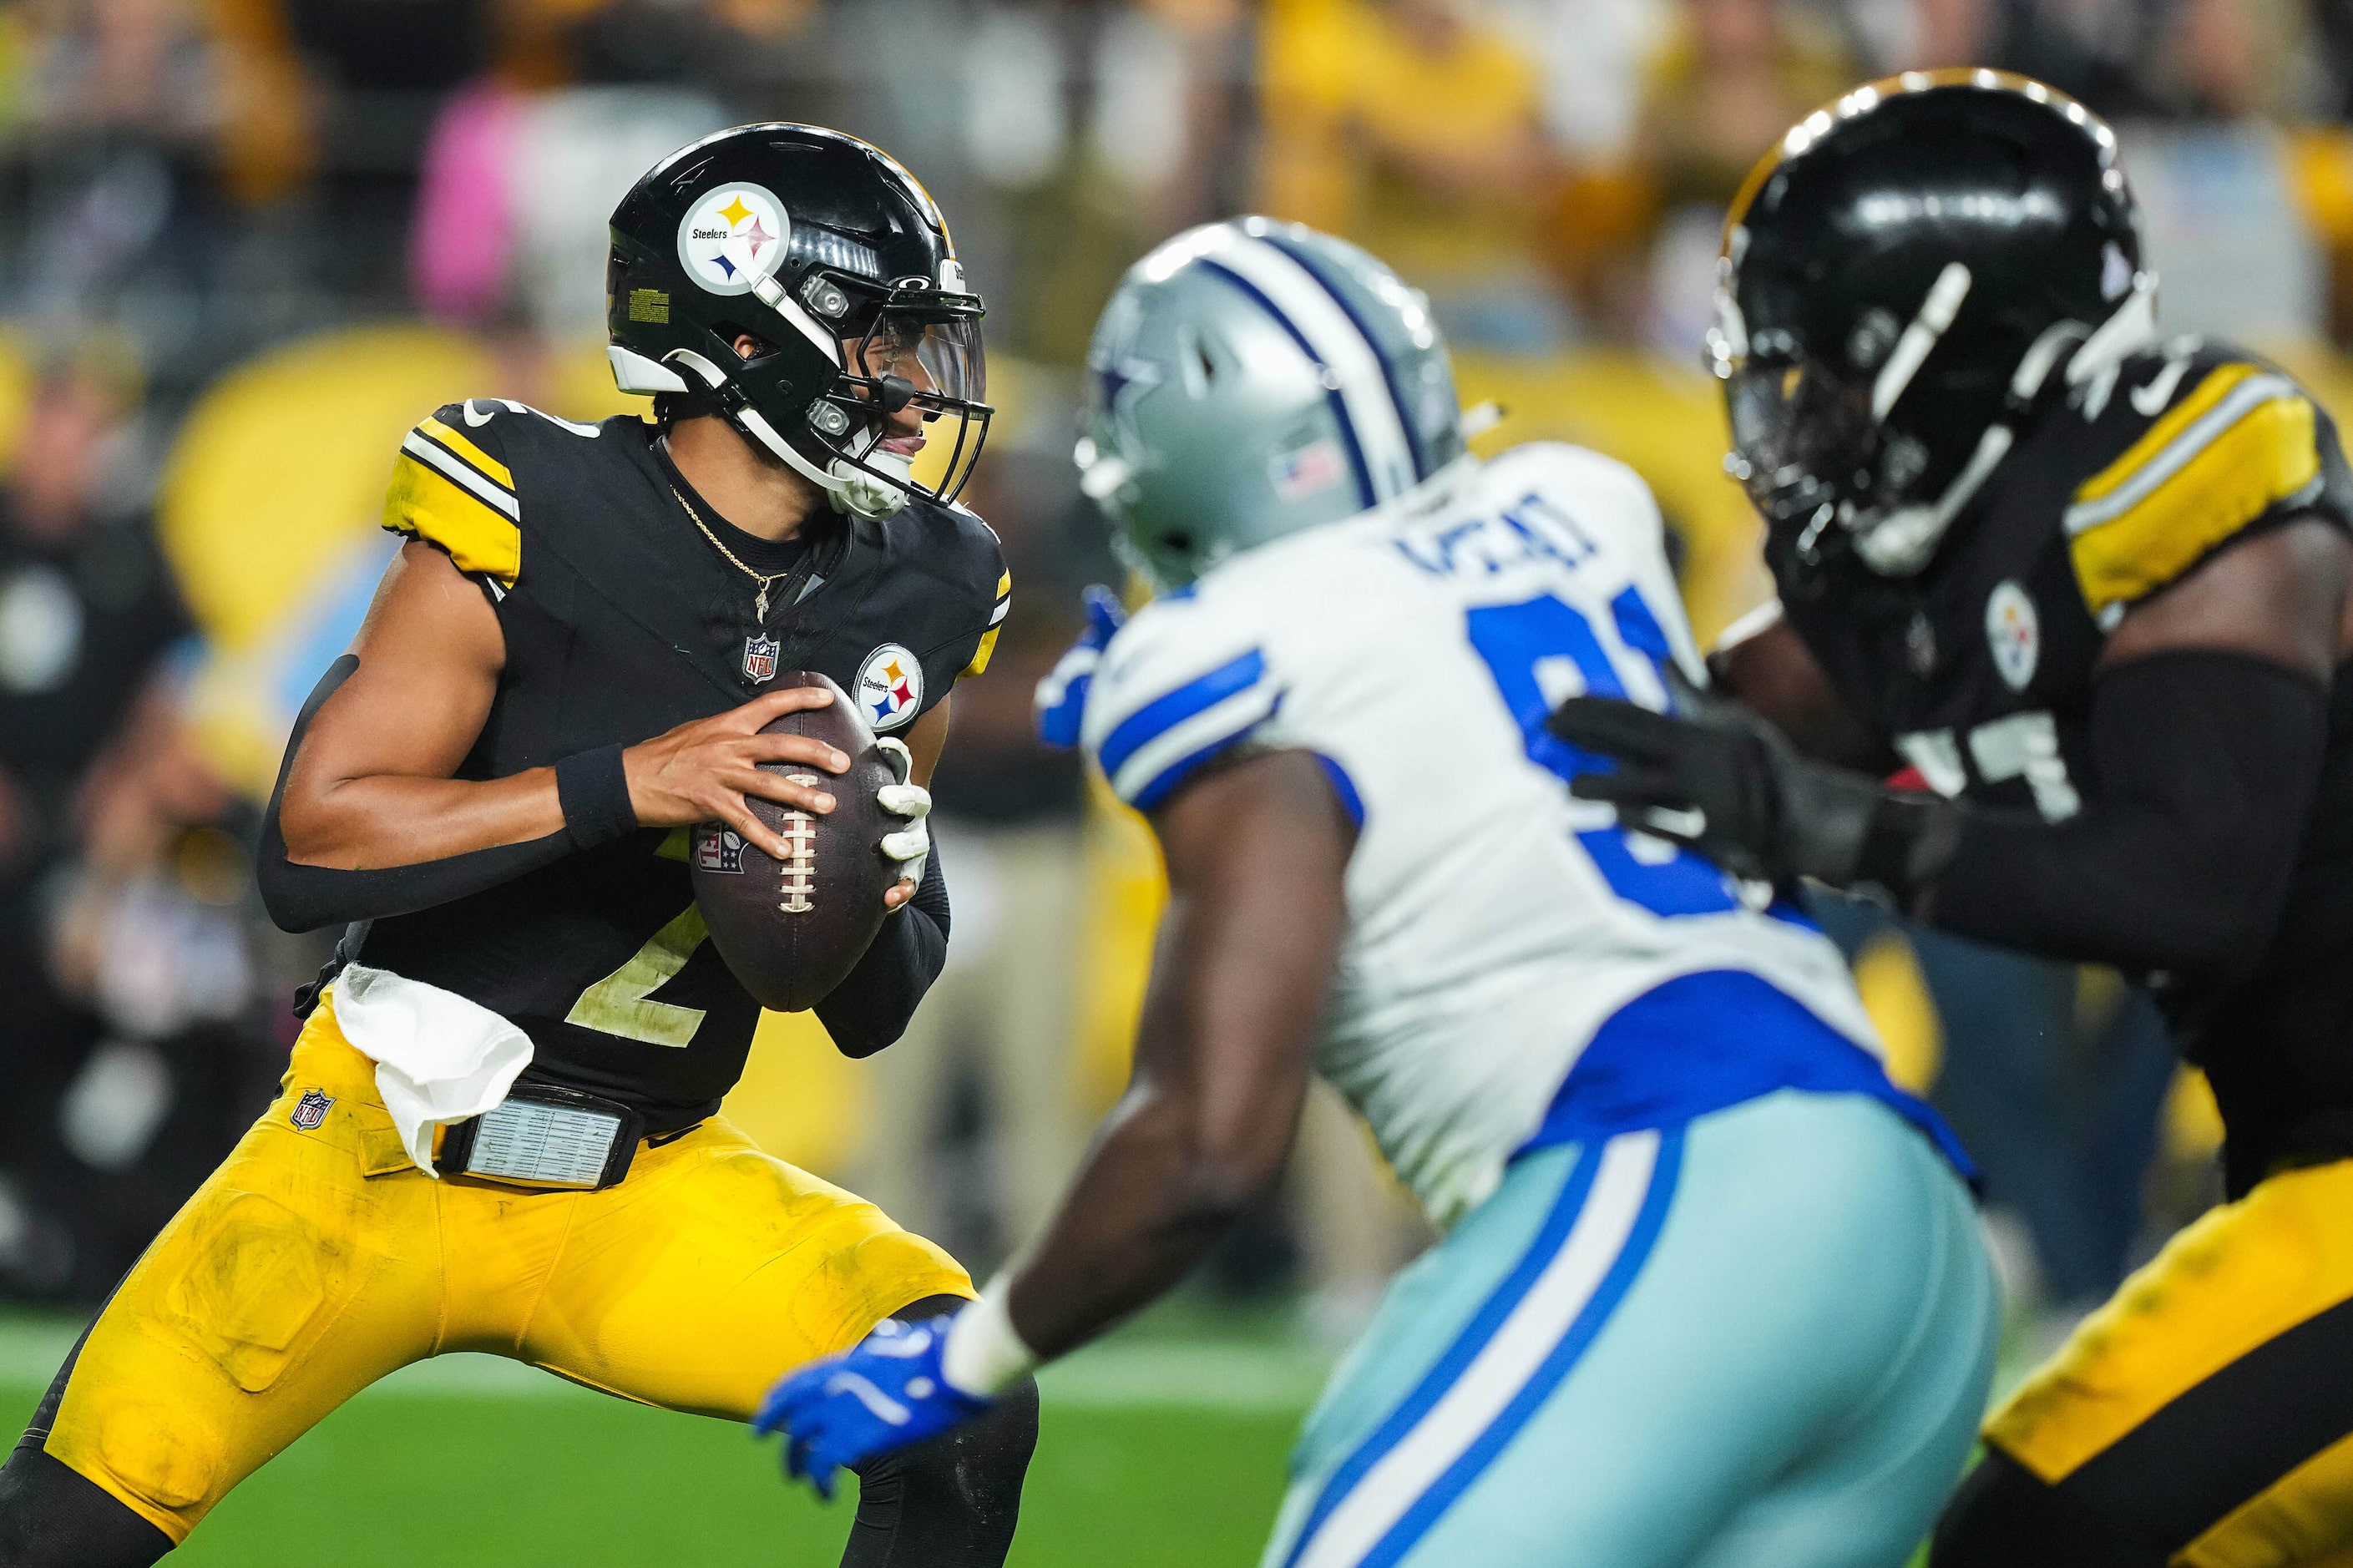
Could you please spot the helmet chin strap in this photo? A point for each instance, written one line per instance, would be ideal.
(850, 490)
(862, 494)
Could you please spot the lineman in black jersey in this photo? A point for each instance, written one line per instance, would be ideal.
(498, 1132)
(2094, 586)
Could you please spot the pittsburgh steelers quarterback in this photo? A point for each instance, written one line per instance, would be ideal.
(2093, 585)
(497, 1131)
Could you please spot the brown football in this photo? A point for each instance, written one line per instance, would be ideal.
(791, 930)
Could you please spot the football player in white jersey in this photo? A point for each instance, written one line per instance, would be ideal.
(1711, 1289)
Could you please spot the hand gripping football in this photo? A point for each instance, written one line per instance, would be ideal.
(791, 930)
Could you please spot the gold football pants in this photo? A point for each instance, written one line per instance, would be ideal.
(2206, 1412)
(313, 1262)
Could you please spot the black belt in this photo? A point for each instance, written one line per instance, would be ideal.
(542, 1135)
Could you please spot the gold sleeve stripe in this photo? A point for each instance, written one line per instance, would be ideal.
(988, 649)
(2217, 402)
(2244, 442)
(981, 655)
(425, 504)
(498, 498)
(483, 463)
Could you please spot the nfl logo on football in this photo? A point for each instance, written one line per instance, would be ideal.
(719, 849)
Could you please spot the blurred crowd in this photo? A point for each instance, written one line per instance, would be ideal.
(243, 243)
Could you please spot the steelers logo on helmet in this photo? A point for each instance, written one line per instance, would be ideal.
(889, 687)
(733, 235)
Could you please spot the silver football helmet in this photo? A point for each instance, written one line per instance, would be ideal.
(1253, 378)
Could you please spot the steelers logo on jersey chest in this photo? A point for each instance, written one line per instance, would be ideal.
(735, 235)
(2015, 634)
(890, 687)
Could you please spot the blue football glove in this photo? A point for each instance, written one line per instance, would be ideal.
(1061, 699)
(887, 1392)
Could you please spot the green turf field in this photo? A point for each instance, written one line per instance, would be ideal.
(1163, 1447)
(1157, 1450)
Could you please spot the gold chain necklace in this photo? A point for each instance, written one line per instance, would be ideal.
(760, 602)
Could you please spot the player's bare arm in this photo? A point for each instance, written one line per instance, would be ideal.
(370, 785)
(2280, 596)
(1763, 661)
(1256, 915)
(1250, 945)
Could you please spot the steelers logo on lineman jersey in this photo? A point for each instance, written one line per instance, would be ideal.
(733, 236)
(2014, 632)
(889, 687)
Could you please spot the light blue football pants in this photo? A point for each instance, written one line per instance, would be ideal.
(1759, 1340)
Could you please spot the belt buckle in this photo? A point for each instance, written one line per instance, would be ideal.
(546, 1136)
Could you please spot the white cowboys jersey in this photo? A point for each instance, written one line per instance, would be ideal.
(1496, 921)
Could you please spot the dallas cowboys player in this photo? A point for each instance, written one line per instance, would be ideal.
(1711, 1289)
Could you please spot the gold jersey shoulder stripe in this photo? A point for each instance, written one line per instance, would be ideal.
(424, 503)
(481, 461)
(2240, 444)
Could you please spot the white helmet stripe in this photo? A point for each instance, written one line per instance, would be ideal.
(1335, 340)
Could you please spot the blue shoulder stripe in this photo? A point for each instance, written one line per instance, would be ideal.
(1164, 784)
(1163, 713)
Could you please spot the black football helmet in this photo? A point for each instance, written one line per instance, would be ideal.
(838, 262)
(1900, 277)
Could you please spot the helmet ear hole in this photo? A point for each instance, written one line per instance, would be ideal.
(1196, 364)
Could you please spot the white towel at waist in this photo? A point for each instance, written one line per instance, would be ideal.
(439, 1057)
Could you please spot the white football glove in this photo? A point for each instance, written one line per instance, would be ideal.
(912, 844)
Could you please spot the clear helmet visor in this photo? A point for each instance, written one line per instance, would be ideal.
(932, 375)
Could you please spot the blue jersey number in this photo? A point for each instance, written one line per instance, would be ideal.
(1515, 640)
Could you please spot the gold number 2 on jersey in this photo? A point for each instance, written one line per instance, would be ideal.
(619, 1004)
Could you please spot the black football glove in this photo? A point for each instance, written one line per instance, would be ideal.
(1717, 777)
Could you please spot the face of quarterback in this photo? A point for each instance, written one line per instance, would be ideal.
(894, 348)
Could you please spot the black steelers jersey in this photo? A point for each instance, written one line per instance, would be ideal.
(621, 621)
(1980, 669)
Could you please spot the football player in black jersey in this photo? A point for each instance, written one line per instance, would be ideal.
(562, 674)
(2094, 586)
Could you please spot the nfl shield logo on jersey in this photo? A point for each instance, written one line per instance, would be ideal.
(889, 687)
(311, 1110)
(760, 658)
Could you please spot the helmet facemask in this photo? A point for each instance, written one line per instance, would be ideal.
(891, 347)
(915, 347)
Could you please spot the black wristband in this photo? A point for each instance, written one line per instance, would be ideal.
(594, 790)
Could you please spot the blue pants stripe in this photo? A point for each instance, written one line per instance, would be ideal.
(1558, 1225)
(1408, 1531)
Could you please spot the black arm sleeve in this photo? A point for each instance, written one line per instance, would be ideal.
(872, 1005)
(2205, 764)
(304, 898)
